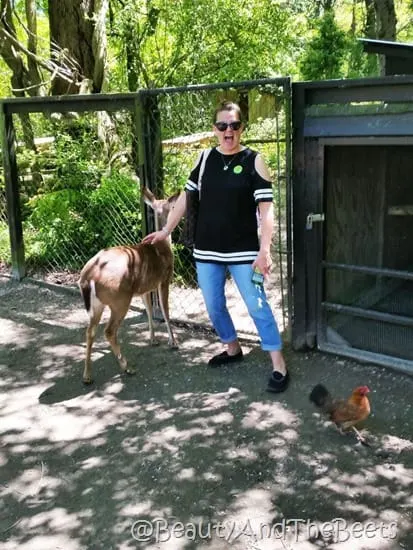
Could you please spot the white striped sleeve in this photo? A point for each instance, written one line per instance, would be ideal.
(263, 195)
(191, 186)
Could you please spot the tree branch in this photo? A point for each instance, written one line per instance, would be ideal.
(49, 66)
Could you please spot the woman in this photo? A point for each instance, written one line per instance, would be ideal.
(235, 180)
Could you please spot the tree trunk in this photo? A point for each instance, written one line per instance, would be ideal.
(33, 67)
(385, 25)
(24, 79)
(370, 24)
(20, 78)
(78, 43)
(386, 19)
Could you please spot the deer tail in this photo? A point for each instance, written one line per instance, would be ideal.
(88, 291)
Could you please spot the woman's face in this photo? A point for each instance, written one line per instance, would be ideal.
(229, 138)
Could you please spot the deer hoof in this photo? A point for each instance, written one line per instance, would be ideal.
(122, 362)
(130, 370)
(87, 380)
(173, 345)
(154, 342)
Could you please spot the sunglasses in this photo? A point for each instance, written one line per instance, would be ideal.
(222, 126)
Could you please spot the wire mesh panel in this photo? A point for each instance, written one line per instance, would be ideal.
(5, 253)
(186, 129)
(369, 335)
(77, 195)
(79, 192)
(368, 279)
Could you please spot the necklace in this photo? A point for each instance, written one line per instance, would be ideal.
(227, 165)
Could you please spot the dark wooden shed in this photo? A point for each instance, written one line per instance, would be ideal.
(353, 218)
(398, 56)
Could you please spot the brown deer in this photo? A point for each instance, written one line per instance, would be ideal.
(114, 275)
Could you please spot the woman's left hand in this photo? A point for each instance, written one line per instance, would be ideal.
(263, 263)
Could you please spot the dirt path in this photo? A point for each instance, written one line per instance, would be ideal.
(180, 456)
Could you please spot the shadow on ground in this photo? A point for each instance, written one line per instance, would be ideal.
(185, 457)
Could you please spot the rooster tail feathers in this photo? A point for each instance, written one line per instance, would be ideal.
(320, 396)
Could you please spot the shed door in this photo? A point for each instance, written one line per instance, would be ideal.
(366, 276)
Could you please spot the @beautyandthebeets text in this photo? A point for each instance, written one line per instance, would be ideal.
(297, 529)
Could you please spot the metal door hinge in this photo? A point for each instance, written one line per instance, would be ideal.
(311, 218)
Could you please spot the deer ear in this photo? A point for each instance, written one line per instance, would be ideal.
(148, 196)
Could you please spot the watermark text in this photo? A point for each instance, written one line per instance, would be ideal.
(295, 529)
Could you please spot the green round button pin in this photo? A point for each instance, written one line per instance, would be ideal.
(237, 169)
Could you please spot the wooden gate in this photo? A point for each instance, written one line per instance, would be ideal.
(353, 220)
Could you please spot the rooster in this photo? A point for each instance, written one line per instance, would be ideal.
(345, 413)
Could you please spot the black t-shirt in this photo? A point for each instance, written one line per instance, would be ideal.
(227, 220)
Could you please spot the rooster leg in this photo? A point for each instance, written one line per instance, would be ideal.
(360, 437)
(340, 429)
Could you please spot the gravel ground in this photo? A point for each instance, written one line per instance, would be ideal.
(181, 456)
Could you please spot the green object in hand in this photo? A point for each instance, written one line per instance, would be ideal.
(257, 277)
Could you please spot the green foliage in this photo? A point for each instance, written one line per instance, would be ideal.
(177, 166)
(68, 226)
(325, 54)
(5, 252)
(58, 226)
(184, 266)
(77, 157)
(41, 39)
(71, 157)
(155, 43)
(4, 80)
(167, 44)
(114, 215)
(361, 64)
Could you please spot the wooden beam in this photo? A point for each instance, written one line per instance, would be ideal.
(299, 325)
(12, 195)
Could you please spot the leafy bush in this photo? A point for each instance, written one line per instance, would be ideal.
(5, 252)
(71, 225)
(77, 159)
(114, 215)
(60, 230)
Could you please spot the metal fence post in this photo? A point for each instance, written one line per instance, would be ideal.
(148, 143)
(287, 90)
(153, 143)
(138, 153)
(148, 140)
(12, 194)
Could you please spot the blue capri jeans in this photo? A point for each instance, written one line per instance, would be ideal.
(211, 280)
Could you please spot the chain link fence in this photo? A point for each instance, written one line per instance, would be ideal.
(5, 253)
(79, 193)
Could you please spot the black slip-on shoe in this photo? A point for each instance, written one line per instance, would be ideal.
(278, 382)
(225, 359)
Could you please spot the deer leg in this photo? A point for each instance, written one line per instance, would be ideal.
(117, 314)
(95, 315)
(163, 292)
(147, 300)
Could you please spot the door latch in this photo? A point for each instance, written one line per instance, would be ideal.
(311, 218)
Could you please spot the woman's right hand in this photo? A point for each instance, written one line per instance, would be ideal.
(155, 237)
